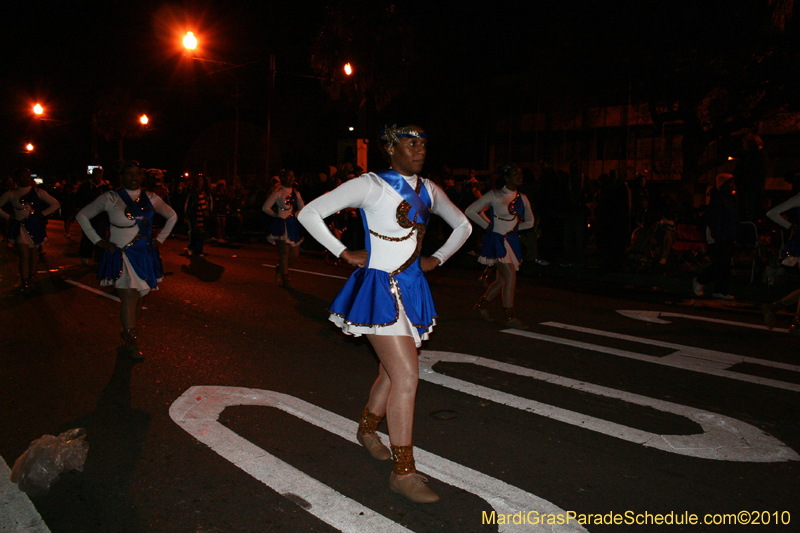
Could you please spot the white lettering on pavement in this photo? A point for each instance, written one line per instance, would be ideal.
(198, 409)
(723, 438)
(691, 358)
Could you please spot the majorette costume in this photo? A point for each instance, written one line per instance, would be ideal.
(509, 212)
(790, 255)
(391, 295)
(286, 202)
(133, 264)
(28, 225)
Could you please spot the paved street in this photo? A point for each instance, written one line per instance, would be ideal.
(242, 417)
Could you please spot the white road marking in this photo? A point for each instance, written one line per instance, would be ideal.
(308, 272)
(652, 316)
(17, 512)
(687, 357)
(198, 409)
(723, 438)
(91, 289)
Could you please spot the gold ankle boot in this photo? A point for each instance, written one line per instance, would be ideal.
(511, 319)
(366, 436)
(405, 479)
(794, 329)
(131, 346)
(480, 310)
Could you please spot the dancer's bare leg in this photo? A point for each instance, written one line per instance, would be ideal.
(495, 288)
(770, 310)
(23, 253)
(294, 251)
(283, 261)
(509, 276)
(379, 394)
(790, 298)
(398, 357)
(33, 261)
(129, 304)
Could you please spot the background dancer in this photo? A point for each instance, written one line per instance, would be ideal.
(131, 262)
(789, 257)
(388, 298)
(27, 228)
(509, 212)
(283, 204)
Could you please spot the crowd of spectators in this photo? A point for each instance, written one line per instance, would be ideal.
(580, 221)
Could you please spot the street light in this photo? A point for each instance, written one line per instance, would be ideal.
(38, 109)
(144, 120)
(29, 147)
(190, 41)
(348, 69)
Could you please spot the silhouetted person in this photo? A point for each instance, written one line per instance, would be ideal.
(722, 229)
(751, 175)
(572, 194)
(87, 193)
(612, 228)
(551, 240)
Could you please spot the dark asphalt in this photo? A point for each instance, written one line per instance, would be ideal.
(223, 321)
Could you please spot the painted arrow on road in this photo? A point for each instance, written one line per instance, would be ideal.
(653, 317)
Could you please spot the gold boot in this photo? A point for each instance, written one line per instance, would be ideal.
(405, 480)
(366, 436)
(131, 346)
(511, 319)
(480, 309)
(794, 329)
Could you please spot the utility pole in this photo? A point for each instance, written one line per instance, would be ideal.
(271, 88)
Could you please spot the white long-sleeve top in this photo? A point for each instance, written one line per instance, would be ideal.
(21, 211)
(278, 203)
(504, 221)
(379, 202)
(123, 230)
(775, 213)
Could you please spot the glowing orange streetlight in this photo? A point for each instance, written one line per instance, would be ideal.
(144, 120)
(190, 41)
(29, 147)
(38, 109)
(348, 69)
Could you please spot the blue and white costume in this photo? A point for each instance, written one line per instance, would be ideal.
(509, 211)
(283, 204)
(133, 264)
(28, 225)
(790, 255)
(391, 295)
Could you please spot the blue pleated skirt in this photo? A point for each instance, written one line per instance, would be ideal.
(286, 230)
(375, 302)
(496, 247)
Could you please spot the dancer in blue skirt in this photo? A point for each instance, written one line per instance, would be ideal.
(508, 212)
(388, 298)
(27, 227)
(283, 204)
(131, 262)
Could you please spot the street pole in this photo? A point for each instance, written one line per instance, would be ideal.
(236, 143)
(271, 88)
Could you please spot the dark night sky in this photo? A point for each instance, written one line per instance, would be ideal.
(64, 54)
